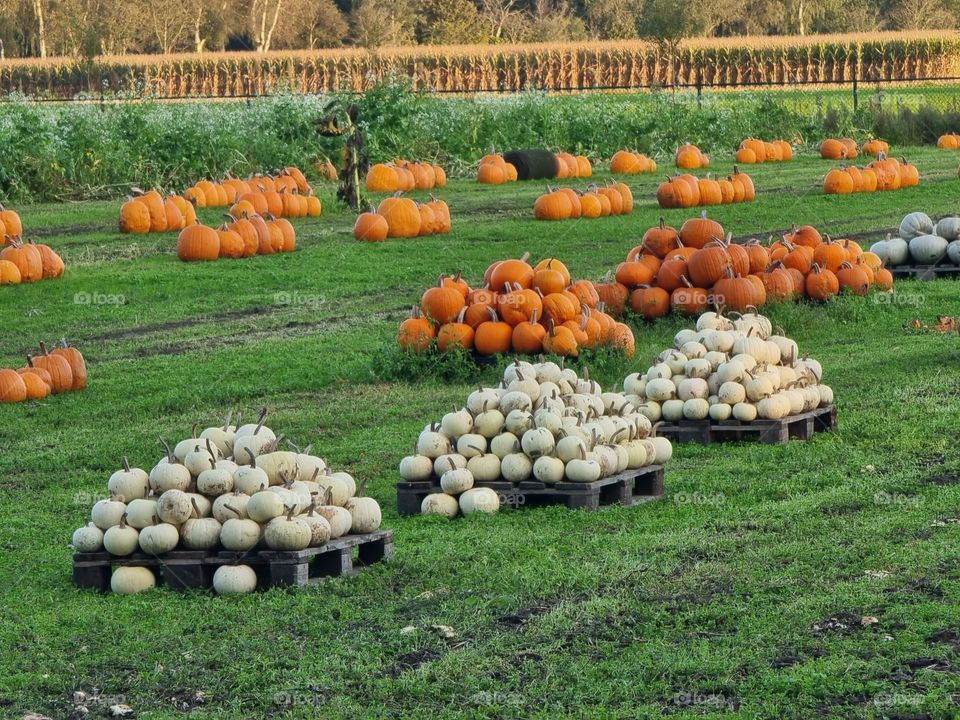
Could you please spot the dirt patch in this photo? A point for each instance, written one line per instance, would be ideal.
(790, 657)
(128, 333)
(523, 616)
(911, 668)
(950, 638)
(411, 661)
(185, 699)
(71, 230)
(949, 478)
(844, 623)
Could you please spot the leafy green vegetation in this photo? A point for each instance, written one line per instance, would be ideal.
(748, 592)
(81, 151)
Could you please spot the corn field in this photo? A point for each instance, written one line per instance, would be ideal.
(775, 61)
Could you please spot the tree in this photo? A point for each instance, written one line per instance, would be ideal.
(264, 16)
(39, 12)
(613, 19)
(168, 23)
(446, 22)
(498, 14)
(553, 21)
(379, 23)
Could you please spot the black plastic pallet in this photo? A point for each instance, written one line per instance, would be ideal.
(924, 272)
(189, 569)
(627, 488)
(774, 432)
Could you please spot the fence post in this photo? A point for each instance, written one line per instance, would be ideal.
(699, 87)
(856, 94)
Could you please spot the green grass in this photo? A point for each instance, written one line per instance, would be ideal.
(714, 602)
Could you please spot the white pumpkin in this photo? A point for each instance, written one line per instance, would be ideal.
(720, 411)
(479, 500)
(364, 513)
(416, 468)
(440, 504)
(548, 469)
(107, 513)
(200, 533)
(265, 506)
(129, 483)
(339, 518)
(121, 539)
(319, 527)
(214, 482)
(696, 409)
(87, 539)
(953, 252)
(441, 465)
(537, 442)
(485, 468)
(948, 228)
(234, 580)
(516, 467)
(130, 580)
(287, 533)
(504, 444)
(158, 539)
(928, 249)
(489, 423)
(483, 399)
(470, 445)
(456, 480)
(456, 423)
(174, 507)
(914, 225)
(231, 505)
(250, 480)
(240, 534)
(433, 444)
(745, 412)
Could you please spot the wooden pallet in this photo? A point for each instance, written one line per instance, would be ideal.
(188, 569)
(628, 488)
(774, 432)
(925, 272)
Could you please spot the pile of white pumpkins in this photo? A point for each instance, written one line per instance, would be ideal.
(728, 367)
(922, 241)
(228, 488)
(542, 423)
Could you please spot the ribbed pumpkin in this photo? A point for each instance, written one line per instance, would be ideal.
(493, 337)
(672, 271)
(158, 214)
(658, 240)
(371, 227)
(528, 337)
(689, 300)
(416, 332)
(36, 387)
(9, 273)
(560, 341)
(456, 334)
(734, 292)
(12, 387)
(27, 259)
(853, 278)
(651, 302)
(78, 365)
(442, 303)
(382, 178)
(822, 284)
(402, 216)
(53, 266)
(708, 264)
(697, 232)
(231, 244)
(10, 222)
(61, 372)
(134, 217)
(198, 242)
(508, 273)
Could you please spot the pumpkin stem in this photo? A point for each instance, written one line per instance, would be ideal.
(126, 464)
(171, 459)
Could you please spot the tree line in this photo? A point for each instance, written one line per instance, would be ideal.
(88, 28)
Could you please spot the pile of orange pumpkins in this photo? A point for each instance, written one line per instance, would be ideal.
(521, 308)
(573, 166)
(882, 174)
(949, 141)
(398, 216)
(568, 204)
(690, 157)
(626, 162)
(28, 262)
(404, 175)
(51, 372)
(839, 149)
(286, 195)
(752, 151)
(494, 170)
(699, 266)
(686, 190)
(244, 236)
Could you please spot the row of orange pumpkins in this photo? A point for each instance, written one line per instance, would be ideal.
(243, 237)
(404, 175)
(27, 262)
(286, 195)
(627, 162)
(684, 190)
(50, 372)
(846, 148)
(949, 141)
(690, 157)
(699, 266)
(398, 216)
(521, 308)
(753, 151)
(882, 174)
(569, 204)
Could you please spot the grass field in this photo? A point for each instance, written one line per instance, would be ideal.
(748, 592)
